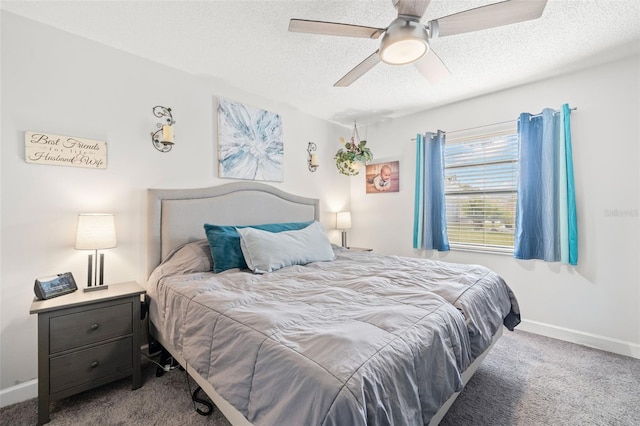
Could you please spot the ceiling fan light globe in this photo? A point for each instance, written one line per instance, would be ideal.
(404, 52)
(403, 42)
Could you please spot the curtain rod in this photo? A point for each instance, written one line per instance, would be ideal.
(496, 124)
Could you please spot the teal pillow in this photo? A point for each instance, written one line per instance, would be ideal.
(225, 242)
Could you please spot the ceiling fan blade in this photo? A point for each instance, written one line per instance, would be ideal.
(334, 28)
(493, 15)
(411, 7)
(432, 68)
(359, 70)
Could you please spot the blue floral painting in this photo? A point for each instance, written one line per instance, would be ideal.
(250, 142)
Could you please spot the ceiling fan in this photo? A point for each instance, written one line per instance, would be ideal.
(406, 40)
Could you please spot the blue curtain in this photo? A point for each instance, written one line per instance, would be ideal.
(546, 220)
(429, 222)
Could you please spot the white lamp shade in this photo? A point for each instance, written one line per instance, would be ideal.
(343, 220)
(96, 231)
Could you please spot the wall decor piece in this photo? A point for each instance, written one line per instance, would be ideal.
(162, 139)
(383, 177)
(312, 160)
(58, 150)
(250, 144)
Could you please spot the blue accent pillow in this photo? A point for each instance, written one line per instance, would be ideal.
(225, 242)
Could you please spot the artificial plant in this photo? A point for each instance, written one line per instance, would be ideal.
(355, 151)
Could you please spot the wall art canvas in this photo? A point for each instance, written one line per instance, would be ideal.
(250, 144)
(383, 177)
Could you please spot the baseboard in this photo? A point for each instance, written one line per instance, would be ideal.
(620, 347)
(19, 393)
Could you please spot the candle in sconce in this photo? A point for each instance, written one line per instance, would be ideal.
(167, 134)
(314, 159)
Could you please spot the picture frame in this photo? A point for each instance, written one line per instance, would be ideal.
(382, 177)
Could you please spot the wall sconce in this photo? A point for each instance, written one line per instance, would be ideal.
(162, 138)
(312, 161)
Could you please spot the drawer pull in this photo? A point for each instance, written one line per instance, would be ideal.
(94, 364)
(94, 326)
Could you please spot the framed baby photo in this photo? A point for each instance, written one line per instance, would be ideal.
(383, 177)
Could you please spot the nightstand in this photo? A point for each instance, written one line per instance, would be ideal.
(87, 339)
(359, 249)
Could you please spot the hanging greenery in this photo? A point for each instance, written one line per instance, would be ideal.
(355, 151)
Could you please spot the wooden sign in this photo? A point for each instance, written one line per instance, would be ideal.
(57, 150)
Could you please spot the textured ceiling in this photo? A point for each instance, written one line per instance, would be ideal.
(246, 44)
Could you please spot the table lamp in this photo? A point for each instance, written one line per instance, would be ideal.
(343, 221)
(96, 231)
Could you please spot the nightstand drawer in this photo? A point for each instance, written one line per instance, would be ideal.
(91, 364)
(89, 326)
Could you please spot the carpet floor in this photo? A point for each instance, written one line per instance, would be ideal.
(525, 380)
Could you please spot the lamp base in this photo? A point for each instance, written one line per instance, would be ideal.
(96, 287)
(344, 238)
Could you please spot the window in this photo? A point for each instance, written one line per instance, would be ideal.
(481, 191)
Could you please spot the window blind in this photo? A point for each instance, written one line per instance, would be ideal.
(481, 175)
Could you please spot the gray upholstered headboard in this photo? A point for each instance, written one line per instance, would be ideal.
(177, 216)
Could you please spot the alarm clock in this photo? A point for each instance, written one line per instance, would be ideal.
(54, 285)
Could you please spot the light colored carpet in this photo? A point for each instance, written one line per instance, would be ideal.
(529, 379)
(526, 380)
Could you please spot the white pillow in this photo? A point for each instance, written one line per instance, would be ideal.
(266, 251)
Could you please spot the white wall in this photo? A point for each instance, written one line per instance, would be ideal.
(59, 83)
(596, 303)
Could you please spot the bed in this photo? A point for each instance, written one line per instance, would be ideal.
(353, 338)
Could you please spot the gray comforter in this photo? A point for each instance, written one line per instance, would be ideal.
(365, 339)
